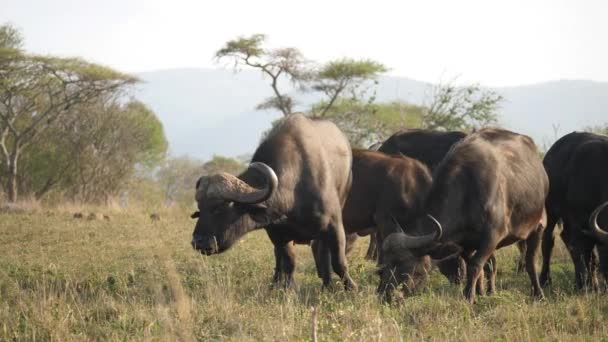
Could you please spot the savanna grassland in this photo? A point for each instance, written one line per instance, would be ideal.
(133, 279)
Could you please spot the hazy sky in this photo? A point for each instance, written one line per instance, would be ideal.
(493, 42)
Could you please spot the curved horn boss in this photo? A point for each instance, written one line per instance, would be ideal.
(231, 188)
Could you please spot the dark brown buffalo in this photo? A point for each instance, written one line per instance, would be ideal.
(488, 192)
(295, 186)
(577, 165)
(429, 147)
(384, 187)
(426, 146)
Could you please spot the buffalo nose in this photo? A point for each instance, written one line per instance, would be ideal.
(205, 246)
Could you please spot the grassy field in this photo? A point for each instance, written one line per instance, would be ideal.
(132, 279)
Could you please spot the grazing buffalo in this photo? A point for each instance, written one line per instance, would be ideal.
(488, 192)
(577, 165)
(429, 147)
(384, 187)
(426, 146)
(295, 187)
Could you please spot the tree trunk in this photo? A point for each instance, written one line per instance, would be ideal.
(11, 186)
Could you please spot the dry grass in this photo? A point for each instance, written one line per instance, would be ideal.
(133, 279)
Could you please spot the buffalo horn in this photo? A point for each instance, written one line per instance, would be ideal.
(409, 241)
(595, 228)
(231, 188)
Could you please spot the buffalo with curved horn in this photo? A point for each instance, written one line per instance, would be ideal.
(577, 165)
(488, 192)
(295, 187)
(430, 147)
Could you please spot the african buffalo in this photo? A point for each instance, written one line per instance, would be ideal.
(488, 192)
(426, 146)
(383, 187)
(429, 147)
(577, 165)
(295, 186)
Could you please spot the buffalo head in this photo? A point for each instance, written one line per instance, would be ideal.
(407, 259)
(229, 207)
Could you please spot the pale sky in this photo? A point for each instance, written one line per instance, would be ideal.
(496, 43)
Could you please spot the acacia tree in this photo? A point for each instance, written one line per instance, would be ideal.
(333, 79)
(461, 108)
(35, 91)
(345, 75)
(276, 64)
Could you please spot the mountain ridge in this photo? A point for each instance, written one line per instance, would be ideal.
(209, 111)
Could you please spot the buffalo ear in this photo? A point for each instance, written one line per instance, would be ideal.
(445, 251)
(258, 212)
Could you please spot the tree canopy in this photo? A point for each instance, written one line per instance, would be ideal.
(279, 63)
(344, 75)
(461, 108)
(45, 96)
(332, 78)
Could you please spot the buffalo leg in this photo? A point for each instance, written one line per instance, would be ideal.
(336, 244)
(278, 272)
(475, 266)
(480, 287)
(316, 246)
(547, 249)
(581, 251)
(583, 267)
(592, 274)
(490, 271)
(602, 251)
(372, 250)
(285, 259)
(350, 242)
(285, 264)
(521, 263)
(319, 257)
(323, 261)
(532, 244)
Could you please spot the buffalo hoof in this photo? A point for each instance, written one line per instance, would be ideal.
(538, 296)
(350, 285)
(283, 284)
(545, 280)
(521, 267)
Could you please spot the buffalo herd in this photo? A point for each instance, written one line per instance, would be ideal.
(426, 197)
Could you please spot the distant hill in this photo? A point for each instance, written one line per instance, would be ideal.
(211, 111)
